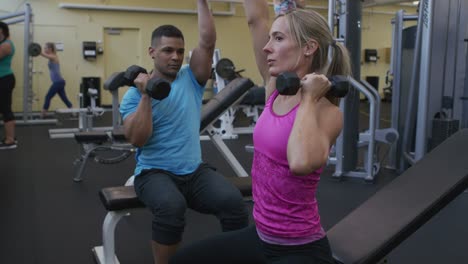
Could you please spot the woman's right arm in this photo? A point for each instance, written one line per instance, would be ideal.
(5, 49)
(257, 15)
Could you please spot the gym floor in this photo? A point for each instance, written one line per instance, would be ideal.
(48, 218)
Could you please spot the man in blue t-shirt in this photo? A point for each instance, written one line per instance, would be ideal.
(170, 174)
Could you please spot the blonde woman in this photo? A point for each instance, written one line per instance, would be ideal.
(292, 140)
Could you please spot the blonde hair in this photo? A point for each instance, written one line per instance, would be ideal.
(306, 25)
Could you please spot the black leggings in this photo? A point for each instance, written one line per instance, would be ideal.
(7, 83)
(244, 246)
(56, 88)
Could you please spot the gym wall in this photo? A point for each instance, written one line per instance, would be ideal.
(71, 27)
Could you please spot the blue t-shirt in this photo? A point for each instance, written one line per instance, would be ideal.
(175, 143)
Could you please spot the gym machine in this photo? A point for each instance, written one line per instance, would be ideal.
(429, 97)
(344, 154)
(367, 140)
(252, 104)
(85, 118)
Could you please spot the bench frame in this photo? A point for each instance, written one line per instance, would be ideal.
(105, 254)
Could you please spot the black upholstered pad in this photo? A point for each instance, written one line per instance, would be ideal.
(119, 198)
(91, 136)
(255, 96)
(381, 223)
(230, 94)
(118, 134)
(124, 197)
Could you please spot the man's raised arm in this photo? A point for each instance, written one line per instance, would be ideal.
(202, 55)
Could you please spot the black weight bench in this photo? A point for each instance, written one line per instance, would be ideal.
(124, 197)
(93, 141)
(120, 201)
(374, 229)
(97, 137)
(256, 96)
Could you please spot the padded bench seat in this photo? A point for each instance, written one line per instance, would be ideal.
(119, 198)
(255, 96)
(99, 136)
(91, 136)
(380, 224)
(118, 135)
(124, 197)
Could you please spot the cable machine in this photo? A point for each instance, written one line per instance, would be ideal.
(429, 97)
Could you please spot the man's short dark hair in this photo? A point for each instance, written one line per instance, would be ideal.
(166, 31)
(5, 29)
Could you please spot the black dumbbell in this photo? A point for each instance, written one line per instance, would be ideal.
(115, 81)
(157, 88)
(288, 83)
(34, 49)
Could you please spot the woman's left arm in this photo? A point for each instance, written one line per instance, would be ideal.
(317, 125)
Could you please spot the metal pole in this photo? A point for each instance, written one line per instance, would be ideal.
(408, 130)
(373, 117)
(14, 21)
(406, 17)
(352, 36)
(331, 16)
(395, 66)
(12, 15)
(455, 63)
(424, 84)
(464, 98)
(27, 64)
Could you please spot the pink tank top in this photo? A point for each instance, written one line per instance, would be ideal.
(286, 210)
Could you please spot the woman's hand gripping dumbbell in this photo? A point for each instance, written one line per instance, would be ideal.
(288, 83)
(155, 87)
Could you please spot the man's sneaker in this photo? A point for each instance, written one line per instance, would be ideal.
(4, 145)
